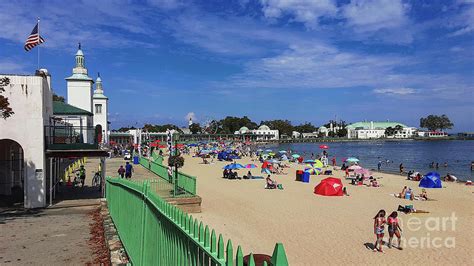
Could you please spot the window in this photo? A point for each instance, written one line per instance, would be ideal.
(98, 108)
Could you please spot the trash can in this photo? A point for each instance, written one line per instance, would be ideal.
(135, 160)
(305, 177)
(299, 173)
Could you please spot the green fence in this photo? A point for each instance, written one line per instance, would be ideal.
(186, 183)
(155, 232)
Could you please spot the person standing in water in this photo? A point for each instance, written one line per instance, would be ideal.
(379, 227)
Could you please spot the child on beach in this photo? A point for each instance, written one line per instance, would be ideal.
(379, 227)
(394, 229)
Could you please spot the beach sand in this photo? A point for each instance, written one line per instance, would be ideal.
(333, 230)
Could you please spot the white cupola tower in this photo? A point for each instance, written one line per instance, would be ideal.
(79, 85)
(100, 109)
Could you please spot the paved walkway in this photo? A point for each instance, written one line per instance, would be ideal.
(57, 235)
(160, 186)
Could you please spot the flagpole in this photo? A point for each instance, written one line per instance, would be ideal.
(39, 38)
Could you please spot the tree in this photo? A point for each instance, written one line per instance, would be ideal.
(195, 128)
(230, 124)
(434, 122)
(5, 109)
(389, 131)
(305, 128)
(58, 98)
(341, 132)
(283, 126)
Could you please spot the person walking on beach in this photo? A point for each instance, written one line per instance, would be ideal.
(401, 168)
(394, 229)
(121, 171)
(379, 227)
(379, 165)
(128, 170)
(333, 161)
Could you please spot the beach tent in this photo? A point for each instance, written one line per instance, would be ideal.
(431, 180)
(330, 186)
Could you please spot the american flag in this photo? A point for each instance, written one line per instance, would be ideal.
(34, 39)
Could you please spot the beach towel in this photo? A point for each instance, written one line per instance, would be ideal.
(256, 177)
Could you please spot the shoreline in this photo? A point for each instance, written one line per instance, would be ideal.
(256, 218)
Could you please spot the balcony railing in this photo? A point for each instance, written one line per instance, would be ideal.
(71, 137)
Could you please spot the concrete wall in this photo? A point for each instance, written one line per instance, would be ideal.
(79, 94)
(30, 98)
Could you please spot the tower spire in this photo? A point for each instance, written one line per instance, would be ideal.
(98, 85)
(80, 67)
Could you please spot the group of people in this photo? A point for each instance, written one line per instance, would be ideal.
(407, 193)
(394, 229)
(125, 171)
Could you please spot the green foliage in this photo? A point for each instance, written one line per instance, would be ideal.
(161, 128)
(307, 127)
(434, 122)
(58, 98)
(176, 161)
(230, 124)
(341, 132)
(5, 109)
(195, 128)
(283, 126)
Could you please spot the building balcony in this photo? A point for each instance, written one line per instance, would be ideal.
(65, 137)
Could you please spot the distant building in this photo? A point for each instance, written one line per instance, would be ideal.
(262, 133)
(376, 130)
(432, 134)
(312, 135)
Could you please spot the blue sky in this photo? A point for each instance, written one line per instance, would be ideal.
(303, 60)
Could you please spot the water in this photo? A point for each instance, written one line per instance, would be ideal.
(415, 155)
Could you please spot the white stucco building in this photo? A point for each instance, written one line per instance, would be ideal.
(38, 141)
(23, 163)
(79, 95)
(376, 130)
(101, 108)
(262, 133)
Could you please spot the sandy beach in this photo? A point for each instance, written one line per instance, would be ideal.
(334, 230)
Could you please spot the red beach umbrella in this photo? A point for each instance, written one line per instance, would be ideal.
(324, 147)
(330, 186)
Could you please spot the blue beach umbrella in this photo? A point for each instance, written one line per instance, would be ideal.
(268, 150)
(309, 161)
(282, 151)
(233, 166)
(431, 180)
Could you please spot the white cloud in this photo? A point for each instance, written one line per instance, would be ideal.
(190, 115)
(375, 15)
(305, 11)
(8, 67)
(318, 65)
(63, 24)
(463, 22)
(395, 91)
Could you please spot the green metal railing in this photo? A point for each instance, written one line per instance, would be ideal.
(186, 183)
(155, 232)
